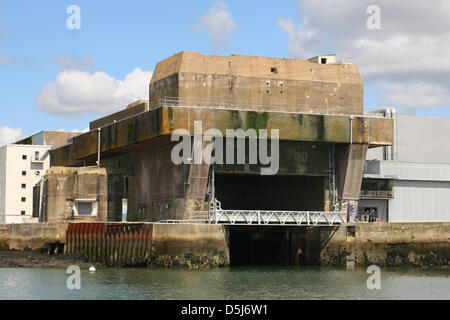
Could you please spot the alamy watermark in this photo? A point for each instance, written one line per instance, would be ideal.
(199, 151)
(374, 281)
(374, 20)
(74, 280)
(74, 20)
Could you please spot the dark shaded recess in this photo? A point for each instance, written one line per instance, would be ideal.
(278, 192)
(267, 246)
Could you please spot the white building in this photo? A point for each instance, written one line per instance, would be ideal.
(409, 182)
(21, 167)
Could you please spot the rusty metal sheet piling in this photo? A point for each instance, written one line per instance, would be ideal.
(117, 244)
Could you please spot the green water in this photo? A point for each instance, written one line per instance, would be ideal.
(233, 283)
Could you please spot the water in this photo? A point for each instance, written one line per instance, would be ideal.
(233, 283)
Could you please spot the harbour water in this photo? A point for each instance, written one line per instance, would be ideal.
(228, 283)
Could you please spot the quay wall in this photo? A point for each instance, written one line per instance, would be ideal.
(383, 244)
(149, 244)
(31, 235)
(206, 246)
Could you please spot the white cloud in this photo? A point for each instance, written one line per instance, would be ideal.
(301, 38)
(415, 94)
(219, 25)
(74, 130)
(74, 92)
(409, 52)
(74, 62)
(6, 60)
(10, 135)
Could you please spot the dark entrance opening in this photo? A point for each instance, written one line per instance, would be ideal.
(277, 192)
(267, 246)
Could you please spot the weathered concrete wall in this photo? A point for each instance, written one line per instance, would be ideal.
(259, 81)
(300, 158)
(55, 139)
(350, 169)
(163, 121)
(189, 245)
(62, 186)
(31, 235)
(133, 109)
(383, 244)
(166, 245)
(160, 185)
(120, 169)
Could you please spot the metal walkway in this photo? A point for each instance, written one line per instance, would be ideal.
(217, 215)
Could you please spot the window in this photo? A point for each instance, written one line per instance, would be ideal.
(23, 199)
(24, 173)
(22, 212)
(85, 208)
(24, 185)
(274, 70)
(36, 155)
(323, 60)
(24, 157)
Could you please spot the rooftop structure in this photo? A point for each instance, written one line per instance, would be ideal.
(55, 139)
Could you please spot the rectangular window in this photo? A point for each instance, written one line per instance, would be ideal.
(22, 212)
(24, 173)
(323, 60)
(24, 157)
(23, 199)
(24, 185)
(85, 208)
(36, 155)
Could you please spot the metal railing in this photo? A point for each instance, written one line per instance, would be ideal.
(263, 217)
(198, 103)
(376, 194)
(217, 215)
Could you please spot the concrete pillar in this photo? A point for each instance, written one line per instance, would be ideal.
(350, 171)
(196, 189)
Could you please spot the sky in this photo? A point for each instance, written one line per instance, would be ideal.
(65, 63)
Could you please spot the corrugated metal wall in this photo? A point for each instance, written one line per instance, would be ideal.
(423, 139)
(416, 201)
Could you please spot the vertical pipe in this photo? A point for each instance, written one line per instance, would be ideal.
(99, 145)
(394, 147)
(41, 197)
(351, 130)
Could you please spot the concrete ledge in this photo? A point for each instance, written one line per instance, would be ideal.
(387, 244)
(32, 236)
(189, 245)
